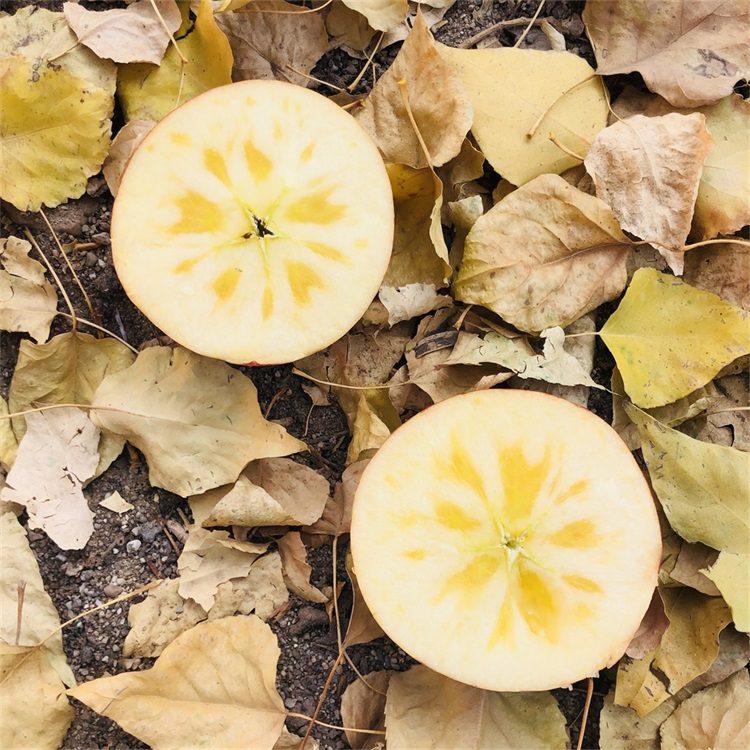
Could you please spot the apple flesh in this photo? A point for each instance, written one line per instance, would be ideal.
(506, 539)
(254, 223)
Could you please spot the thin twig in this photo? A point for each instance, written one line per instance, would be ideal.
(472, 40)
(586, 707)
(528, 28)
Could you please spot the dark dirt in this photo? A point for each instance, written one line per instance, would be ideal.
(129, 550)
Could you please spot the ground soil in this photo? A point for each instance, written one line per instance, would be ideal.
(128, 551)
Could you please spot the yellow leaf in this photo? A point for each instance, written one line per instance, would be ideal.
(669, 338)
(689, 51)
(67, 370)
(437, 98)
(54, 133)
(18, 565)
(214, 686)
(620, 727)
(520, 96)
(731, 574)
(432, 712)
(34, 712)
(382, 15)
(703, 488)
(716, 717)
(196, 419)
(29, 302)
(544, 256)
(647, 169)
(8, 442)
(147, 92)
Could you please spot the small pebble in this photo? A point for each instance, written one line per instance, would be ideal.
(112, 590)
(133, 545)
(101, 238)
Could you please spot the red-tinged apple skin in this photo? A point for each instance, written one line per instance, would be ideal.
(254, 223)
(507, 539)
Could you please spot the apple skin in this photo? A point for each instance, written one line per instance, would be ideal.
(507, 539)
(254, 223)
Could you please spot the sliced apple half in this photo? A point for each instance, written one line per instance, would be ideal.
(254, 223)
(506, 539)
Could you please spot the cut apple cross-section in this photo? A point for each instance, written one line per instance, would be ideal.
(507, 539)
(254, 223)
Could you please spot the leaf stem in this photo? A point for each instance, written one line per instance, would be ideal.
(565, 149)
(586, 707)
(410, 114)
(293, 715)
(102, 329)
(531, 23)
(159, 16)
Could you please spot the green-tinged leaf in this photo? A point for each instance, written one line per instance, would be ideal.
(520, 96)
(669, 338)
(196, 419)
(213, 687)
(703, 488)
(688, 648)
(34, 712)
(18, 564)
(731, 574)
(54, 133)
(150, 92)
(543, 256)
(716, 717)
(429, 711)
(67, 370)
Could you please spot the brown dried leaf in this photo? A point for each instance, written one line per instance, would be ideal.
(363, 706)
(123, 145)
(722, 269)
(544, 256)
(689, 51)
(647, 169)
(437, 99)
(380, 14)
(296, 569)
(650, 631)
(273, 39)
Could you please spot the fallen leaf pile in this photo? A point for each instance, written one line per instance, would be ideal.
(528, 212)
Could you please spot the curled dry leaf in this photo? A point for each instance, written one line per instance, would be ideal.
(688, 565)
(274, 39)
(544, 256)
(437, 99)
(296, 569)
(374, 420)
(669, 338)
(382, 15)
(411, 301)
(269, 492)
(34, 711)
(689, 51)
(29, 302)
(8, 442)
(126, 141)
(647, 169)
(67, 370)
(715, 717)
(40, 619)
(147, 92)
(520, 96)
(125, 35)
(650, 631)
(362, 627)
(363, 706)
(211, 558)
(57, 455)
(213, 686)
(348, 28)
(426, 710)
(197, 420)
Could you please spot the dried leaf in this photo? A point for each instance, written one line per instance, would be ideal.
(362, 627)
(703, 488)
(731, 574)
(411, 301)
(296, 570)
(348, 28)
(544, 256)
(520, 96)
(687, 570)
(211, 558)
(715, 717)
(133, 34)
(647, 169)
(150, 93)
(363, 706)
(126, 141)
(438, 102)
(54, 134)
(382, 15)
(29, 302)
(67, 370)
(8, 442)
(689, 51)
(40, 619)
(34, 712)
(269, 492)
(620, 727)
(649, 634)
(197, 420)
(669, 338)
(721, 269)
(273, 39)
(57, 455)
(116, 503)
(420, 254)
(227, 698)
(734, 654)
(426, 710)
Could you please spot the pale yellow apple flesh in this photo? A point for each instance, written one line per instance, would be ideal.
(254, 223)
(507, 539)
